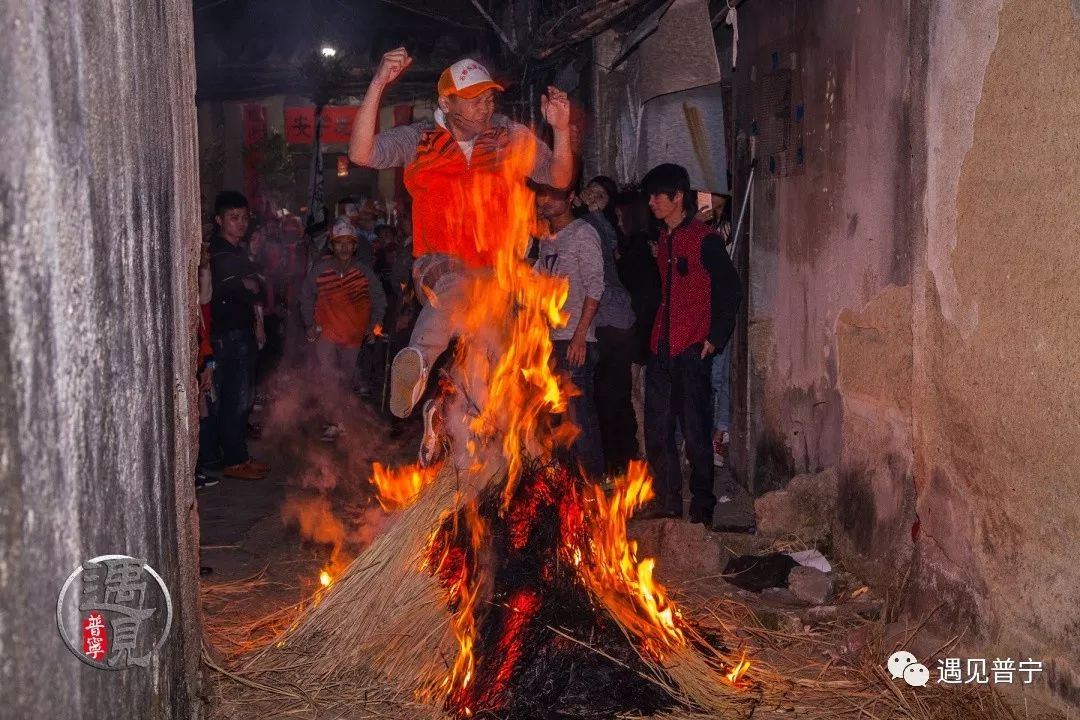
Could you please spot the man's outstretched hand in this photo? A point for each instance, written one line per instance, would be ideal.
(391, 66)
(555, 107)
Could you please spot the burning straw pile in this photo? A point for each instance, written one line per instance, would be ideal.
(468, 608)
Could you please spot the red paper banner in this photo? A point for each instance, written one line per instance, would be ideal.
(337, 124)
(300, 125)
(254, 135)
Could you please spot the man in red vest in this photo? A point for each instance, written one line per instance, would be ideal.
(699, 299)
(444, 160)
(464, 147)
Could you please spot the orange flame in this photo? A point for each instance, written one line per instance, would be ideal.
(335, 567)
(464, 587)
(504, 367)
(734, 677)
(510, 312)
(399, 487)
(505, 327)
(610, 568)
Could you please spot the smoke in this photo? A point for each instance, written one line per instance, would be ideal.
(330, 499)
(369, 525)
(315, 520)
(303, 403)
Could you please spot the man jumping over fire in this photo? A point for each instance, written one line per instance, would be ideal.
(444, 160)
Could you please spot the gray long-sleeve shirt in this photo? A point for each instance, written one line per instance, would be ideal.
(575, 253)
(616, 309)
(397, 146)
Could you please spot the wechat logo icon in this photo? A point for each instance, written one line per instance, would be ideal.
(903, 664)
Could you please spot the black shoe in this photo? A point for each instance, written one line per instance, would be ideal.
(213, 469)
(701, 516)
(655, 512)
(202, 480)
(743, 529)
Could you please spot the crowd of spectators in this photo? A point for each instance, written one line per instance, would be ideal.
(337, 301)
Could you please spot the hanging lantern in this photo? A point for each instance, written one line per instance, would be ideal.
(343, 166)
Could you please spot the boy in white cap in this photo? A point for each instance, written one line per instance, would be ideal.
(341, 303)
(442, 158)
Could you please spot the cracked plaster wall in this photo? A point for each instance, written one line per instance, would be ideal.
(997, 398)
(913, 295)
(829, 237)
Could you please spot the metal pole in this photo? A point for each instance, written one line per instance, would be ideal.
(386, 378)
(750, 462)
(742, 210)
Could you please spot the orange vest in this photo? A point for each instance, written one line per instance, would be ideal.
(453, 198)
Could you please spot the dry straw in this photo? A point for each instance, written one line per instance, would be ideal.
(379, 632)
(363, 647)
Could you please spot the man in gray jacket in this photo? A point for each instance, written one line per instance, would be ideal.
(573, 251)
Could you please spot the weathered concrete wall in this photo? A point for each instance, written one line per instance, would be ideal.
(831, 236)
(98, 240)
(913, 303)
(997, 394)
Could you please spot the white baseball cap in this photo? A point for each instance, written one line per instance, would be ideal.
(466, 78)
(343, 228)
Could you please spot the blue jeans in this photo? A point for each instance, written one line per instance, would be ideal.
(235, 353)
(588, 445)
(721, 387)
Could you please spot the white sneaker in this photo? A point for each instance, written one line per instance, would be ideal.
(433, 446)
(408, 378)
(332, 432)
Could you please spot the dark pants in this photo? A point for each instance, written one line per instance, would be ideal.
(210, 438)
(236, 354)
(588, 446)
(680, 389)
(613, 386)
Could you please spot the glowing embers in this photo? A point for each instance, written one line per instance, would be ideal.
(531, 640)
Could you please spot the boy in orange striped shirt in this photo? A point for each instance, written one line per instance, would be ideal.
(341, 303)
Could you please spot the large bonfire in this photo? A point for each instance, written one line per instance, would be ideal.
(507, 584)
